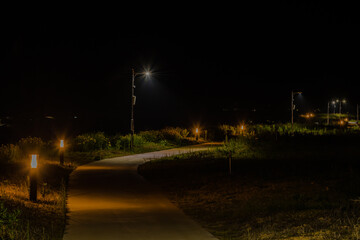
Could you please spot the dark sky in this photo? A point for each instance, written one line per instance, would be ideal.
(211, 63)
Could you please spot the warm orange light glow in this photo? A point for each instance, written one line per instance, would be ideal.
(346, 119)
(242, 127)
(197, 130)
(34, 161)
(61, 143)
(341, 122)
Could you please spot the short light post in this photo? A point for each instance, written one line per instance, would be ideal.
(62, 150)
(33, 178)
(293, 106)
(242, 130)
(197, 134)
(133, 101)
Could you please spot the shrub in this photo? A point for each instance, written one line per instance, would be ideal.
(152, 136)
(30, 145)
(91, 142)
(9, 153)
(8, 222)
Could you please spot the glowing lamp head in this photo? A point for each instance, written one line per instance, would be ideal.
(197, 130)
(61, 143)
(34, 161)
(242, 127)
(147, 73)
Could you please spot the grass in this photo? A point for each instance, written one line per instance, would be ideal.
(45, 219)
(303, 187)
(24, 219)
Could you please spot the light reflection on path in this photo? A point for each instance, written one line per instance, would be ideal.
(108, 199)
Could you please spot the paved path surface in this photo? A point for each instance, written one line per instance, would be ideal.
(108, 199)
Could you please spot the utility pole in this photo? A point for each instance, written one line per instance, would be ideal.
(132, 110)
(292, 106)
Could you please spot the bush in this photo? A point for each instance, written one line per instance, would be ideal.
(8, 222)
(9, 153)
(91, 142)
(31, 145)
(152, 136)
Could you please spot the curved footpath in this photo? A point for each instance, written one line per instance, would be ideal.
(108, 199)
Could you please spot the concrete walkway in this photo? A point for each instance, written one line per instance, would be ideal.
(108, 199)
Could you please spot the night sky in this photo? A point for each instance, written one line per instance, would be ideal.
(211, 64)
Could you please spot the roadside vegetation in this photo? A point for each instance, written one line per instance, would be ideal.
(46, 218)
(285, 183)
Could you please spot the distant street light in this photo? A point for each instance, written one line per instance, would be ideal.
(133, 100)
(343, 101)
(293, 106)
(334, 104)
(328, 113)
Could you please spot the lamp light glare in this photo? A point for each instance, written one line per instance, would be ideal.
(33, 161)
(61, 143)
(197, 130)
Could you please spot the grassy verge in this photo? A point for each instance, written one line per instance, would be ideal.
(292, 188)
(45, 219)
(23, 219)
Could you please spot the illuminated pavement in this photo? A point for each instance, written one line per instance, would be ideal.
(108, 199)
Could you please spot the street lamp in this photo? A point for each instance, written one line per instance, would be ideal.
(328, 113)
(133, 100)
(334, 104)
(343, 101)
(293, 106)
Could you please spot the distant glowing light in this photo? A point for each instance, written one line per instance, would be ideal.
(61, 143)
(197, 130)
(242, 127)
(33, 161)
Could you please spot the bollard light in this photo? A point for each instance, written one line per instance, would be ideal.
(197, 133)
(33, 161)
(33, 178)
(62, 152)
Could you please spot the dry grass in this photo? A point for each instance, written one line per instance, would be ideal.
(267, 198)
(44, 219)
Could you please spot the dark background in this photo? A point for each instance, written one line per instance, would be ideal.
(69, 69)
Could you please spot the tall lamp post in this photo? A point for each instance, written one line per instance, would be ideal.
(328, 114)
(133, 100)
(293, 106)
